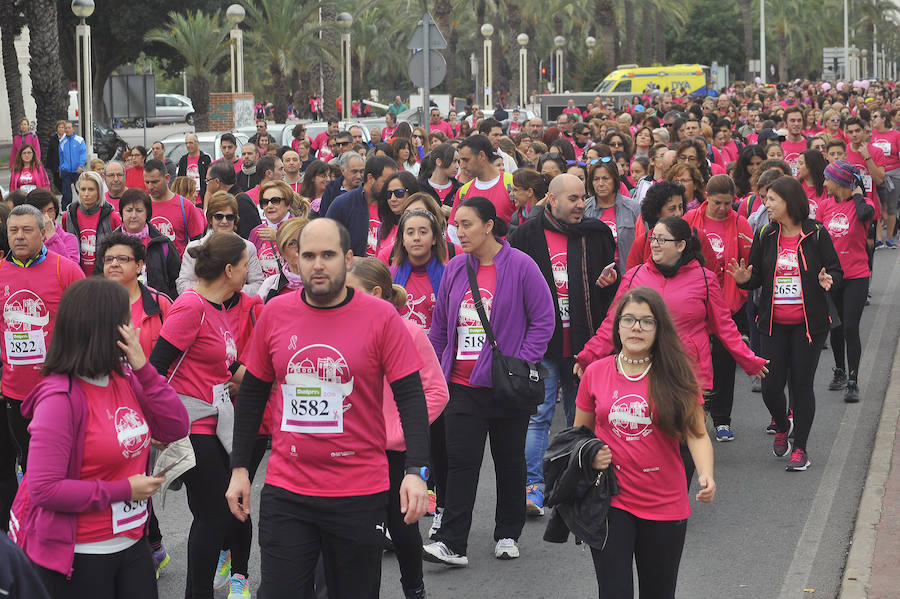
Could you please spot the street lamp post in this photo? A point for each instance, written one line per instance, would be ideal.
(864, 64)
(846, 43)
(345, 21)
(487, 30)
(523, 69)
(559, 41)
(235, 14)
(591, 42)
(762, 41)
(83, 9)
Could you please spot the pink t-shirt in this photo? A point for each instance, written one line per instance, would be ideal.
(788, 294)
(179, 220)
(848, 235)
(203, 332)
(889, 144)
(608, 216)
(87, 243)
(557, 244)
(30, 299)
(348, 350)
(374, 223)
(497, 193)
(470, 336)
(856, 159)
(114, 202)
(116, 443)
(442, 190)
(715, 234)
(193, 171)
(647, 461)
(420, 298)
(443, 127)
(792, 151)
(814, 198)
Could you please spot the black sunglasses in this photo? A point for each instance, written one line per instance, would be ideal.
(226, 217)
(263, 202)
(397, 193)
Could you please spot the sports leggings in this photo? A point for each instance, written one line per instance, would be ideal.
(655, 546)
(439, 460)
(849, 298)
(127, 574)
(8, 481)
(406, 537)
(791, 356)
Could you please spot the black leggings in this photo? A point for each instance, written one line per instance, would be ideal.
(240, 534)
(206, 484)
(849, 298)
(9, 484)
(655, 546)
(439, 459)
(406, 537)
(127, 574)
(791, 356)
(18, 428)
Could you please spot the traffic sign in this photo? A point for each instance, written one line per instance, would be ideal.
(437, 69)
(436, 41)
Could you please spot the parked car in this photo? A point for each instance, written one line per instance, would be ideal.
(170, 108)
(209, 144)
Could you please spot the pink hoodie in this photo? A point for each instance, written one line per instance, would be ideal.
(65, 244)
(436, 393)
(57, 408)
(697, 313)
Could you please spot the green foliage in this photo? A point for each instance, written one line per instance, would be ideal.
(713, 33)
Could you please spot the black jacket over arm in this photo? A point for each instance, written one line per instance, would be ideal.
(202, 164)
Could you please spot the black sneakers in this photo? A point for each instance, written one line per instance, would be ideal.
(839, 381)
(851, 395)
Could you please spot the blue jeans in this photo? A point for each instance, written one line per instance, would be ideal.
(68, 180)
(560, 377)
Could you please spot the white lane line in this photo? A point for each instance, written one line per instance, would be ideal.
(797, 577)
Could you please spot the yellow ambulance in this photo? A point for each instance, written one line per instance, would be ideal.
(630, 78)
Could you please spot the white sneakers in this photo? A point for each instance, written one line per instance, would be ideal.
(438, 553)
(506, 549)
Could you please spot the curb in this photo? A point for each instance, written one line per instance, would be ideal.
(858, 571)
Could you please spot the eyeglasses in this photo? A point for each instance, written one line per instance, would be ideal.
(263, 202)
(418, 137)
(616, 144)
(659, 240)
(647, 324)
(397, 193)
(226, 217)
(343, 143)
(684, 158)
(119, 259)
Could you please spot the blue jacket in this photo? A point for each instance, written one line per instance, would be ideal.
(72, 153)
(351, 210)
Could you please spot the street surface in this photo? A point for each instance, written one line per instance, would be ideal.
(769, 533)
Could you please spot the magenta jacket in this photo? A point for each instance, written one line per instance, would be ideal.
(57, 408)
(20, 140)
(695, 301)
(65, 244)
(40, 178)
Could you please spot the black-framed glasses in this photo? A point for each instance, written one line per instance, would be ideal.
(226, 217)
(397, 193)
(418, 136)
(659, 240)
(343, 143)
(263, 202)
(647, 324)
(120, 259)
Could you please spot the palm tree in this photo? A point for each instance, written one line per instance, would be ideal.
(202, 40)
(605, 11)
(47, 87)
(8, 31)
(329, 74)
(747, 22)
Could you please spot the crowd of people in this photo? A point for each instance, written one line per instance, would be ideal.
(370, 314)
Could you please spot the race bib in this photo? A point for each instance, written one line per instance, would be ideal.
(127, 515)
(787, 290)
(867, 181)
(25, 347)
(469, 341)
(220, 395)
(564, 311)
(312, 408)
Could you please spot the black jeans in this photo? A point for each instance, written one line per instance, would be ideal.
(9, 483)
(439, 459)
(406, 537)
(206, 484)
(295, 529)
(849, 298)
(466, 435)
(791, 357)
(655, 546)
(128, 574)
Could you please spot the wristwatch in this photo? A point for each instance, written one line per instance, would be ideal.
(422, 471)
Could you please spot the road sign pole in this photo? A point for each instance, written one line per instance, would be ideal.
(426, 79)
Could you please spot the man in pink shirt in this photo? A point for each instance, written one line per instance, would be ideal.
(439, 124)
(321, 140)
(794, 143)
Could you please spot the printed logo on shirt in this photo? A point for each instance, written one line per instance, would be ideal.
(164, 225)
(88, 244)
(839, 225)
(268, 260)
(24, 311)
(230, 347)
(629, 417)
(787, 261)
(372, 241)
(468, 315)
(560, 273)
(410, 311)
(612, 227)
(320, 363)
(718, 245)
(813, 207)
(883, 145)
(132, 432)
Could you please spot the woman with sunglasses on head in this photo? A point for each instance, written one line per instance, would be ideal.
(648, 381)
(609, 204)
(398, 186)
(278, 203)
(289, 278)
(222, 216)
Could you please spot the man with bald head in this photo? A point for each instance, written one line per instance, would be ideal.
(194, 165)
(570, 250)
(114, 175)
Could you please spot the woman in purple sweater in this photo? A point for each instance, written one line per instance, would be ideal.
(83, 505)
(520, 309)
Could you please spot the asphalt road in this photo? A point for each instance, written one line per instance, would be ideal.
(769, 533)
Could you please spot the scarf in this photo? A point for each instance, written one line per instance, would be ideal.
(142, 234)
(572, 232)
(248, 170)
(293, 280)
(434, 269)
(670, 271)
(89, 211)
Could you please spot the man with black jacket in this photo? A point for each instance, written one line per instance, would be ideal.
(194, 165)
(571, 252)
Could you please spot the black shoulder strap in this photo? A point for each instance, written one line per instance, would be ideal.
(631, 282)
(476, 296)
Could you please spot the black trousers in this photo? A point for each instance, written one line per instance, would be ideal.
(849, 298)
(655, 546)
(295, 529)
(466, 435)
(9, 483)
(791, 357)
(18, 428)
(128, 574)
(439, 459)
(206, 484)
(406, 537)
(240, 534)
(722, 397)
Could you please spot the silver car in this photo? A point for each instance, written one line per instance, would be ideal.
(171, 108)
(209, 144)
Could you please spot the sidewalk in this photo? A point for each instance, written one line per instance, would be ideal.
(872, 570)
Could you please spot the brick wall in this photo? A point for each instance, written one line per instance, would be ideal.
(228, 111)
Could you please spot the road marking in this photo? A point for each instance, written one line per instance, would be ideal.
(798, 573)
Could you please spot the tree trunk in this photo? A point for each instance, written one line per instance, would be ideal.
(782, 54)
(630, 34)
(660, 51)
(747, 21)
(11, 64)
(279, 93)
(329, 72)
(198, 85)
(47, 87)
(606, 14)
(442, 11)
(301, 86)
(646, 37)
(514, 22)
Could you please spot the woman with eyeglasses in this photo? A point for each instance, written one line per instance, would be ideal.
(618, 142)
(27, 173)
(689, 178)
(391, 200)
(222, 216)
(690, 152)
(278, 203)
(609, 204)
(644, 402)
